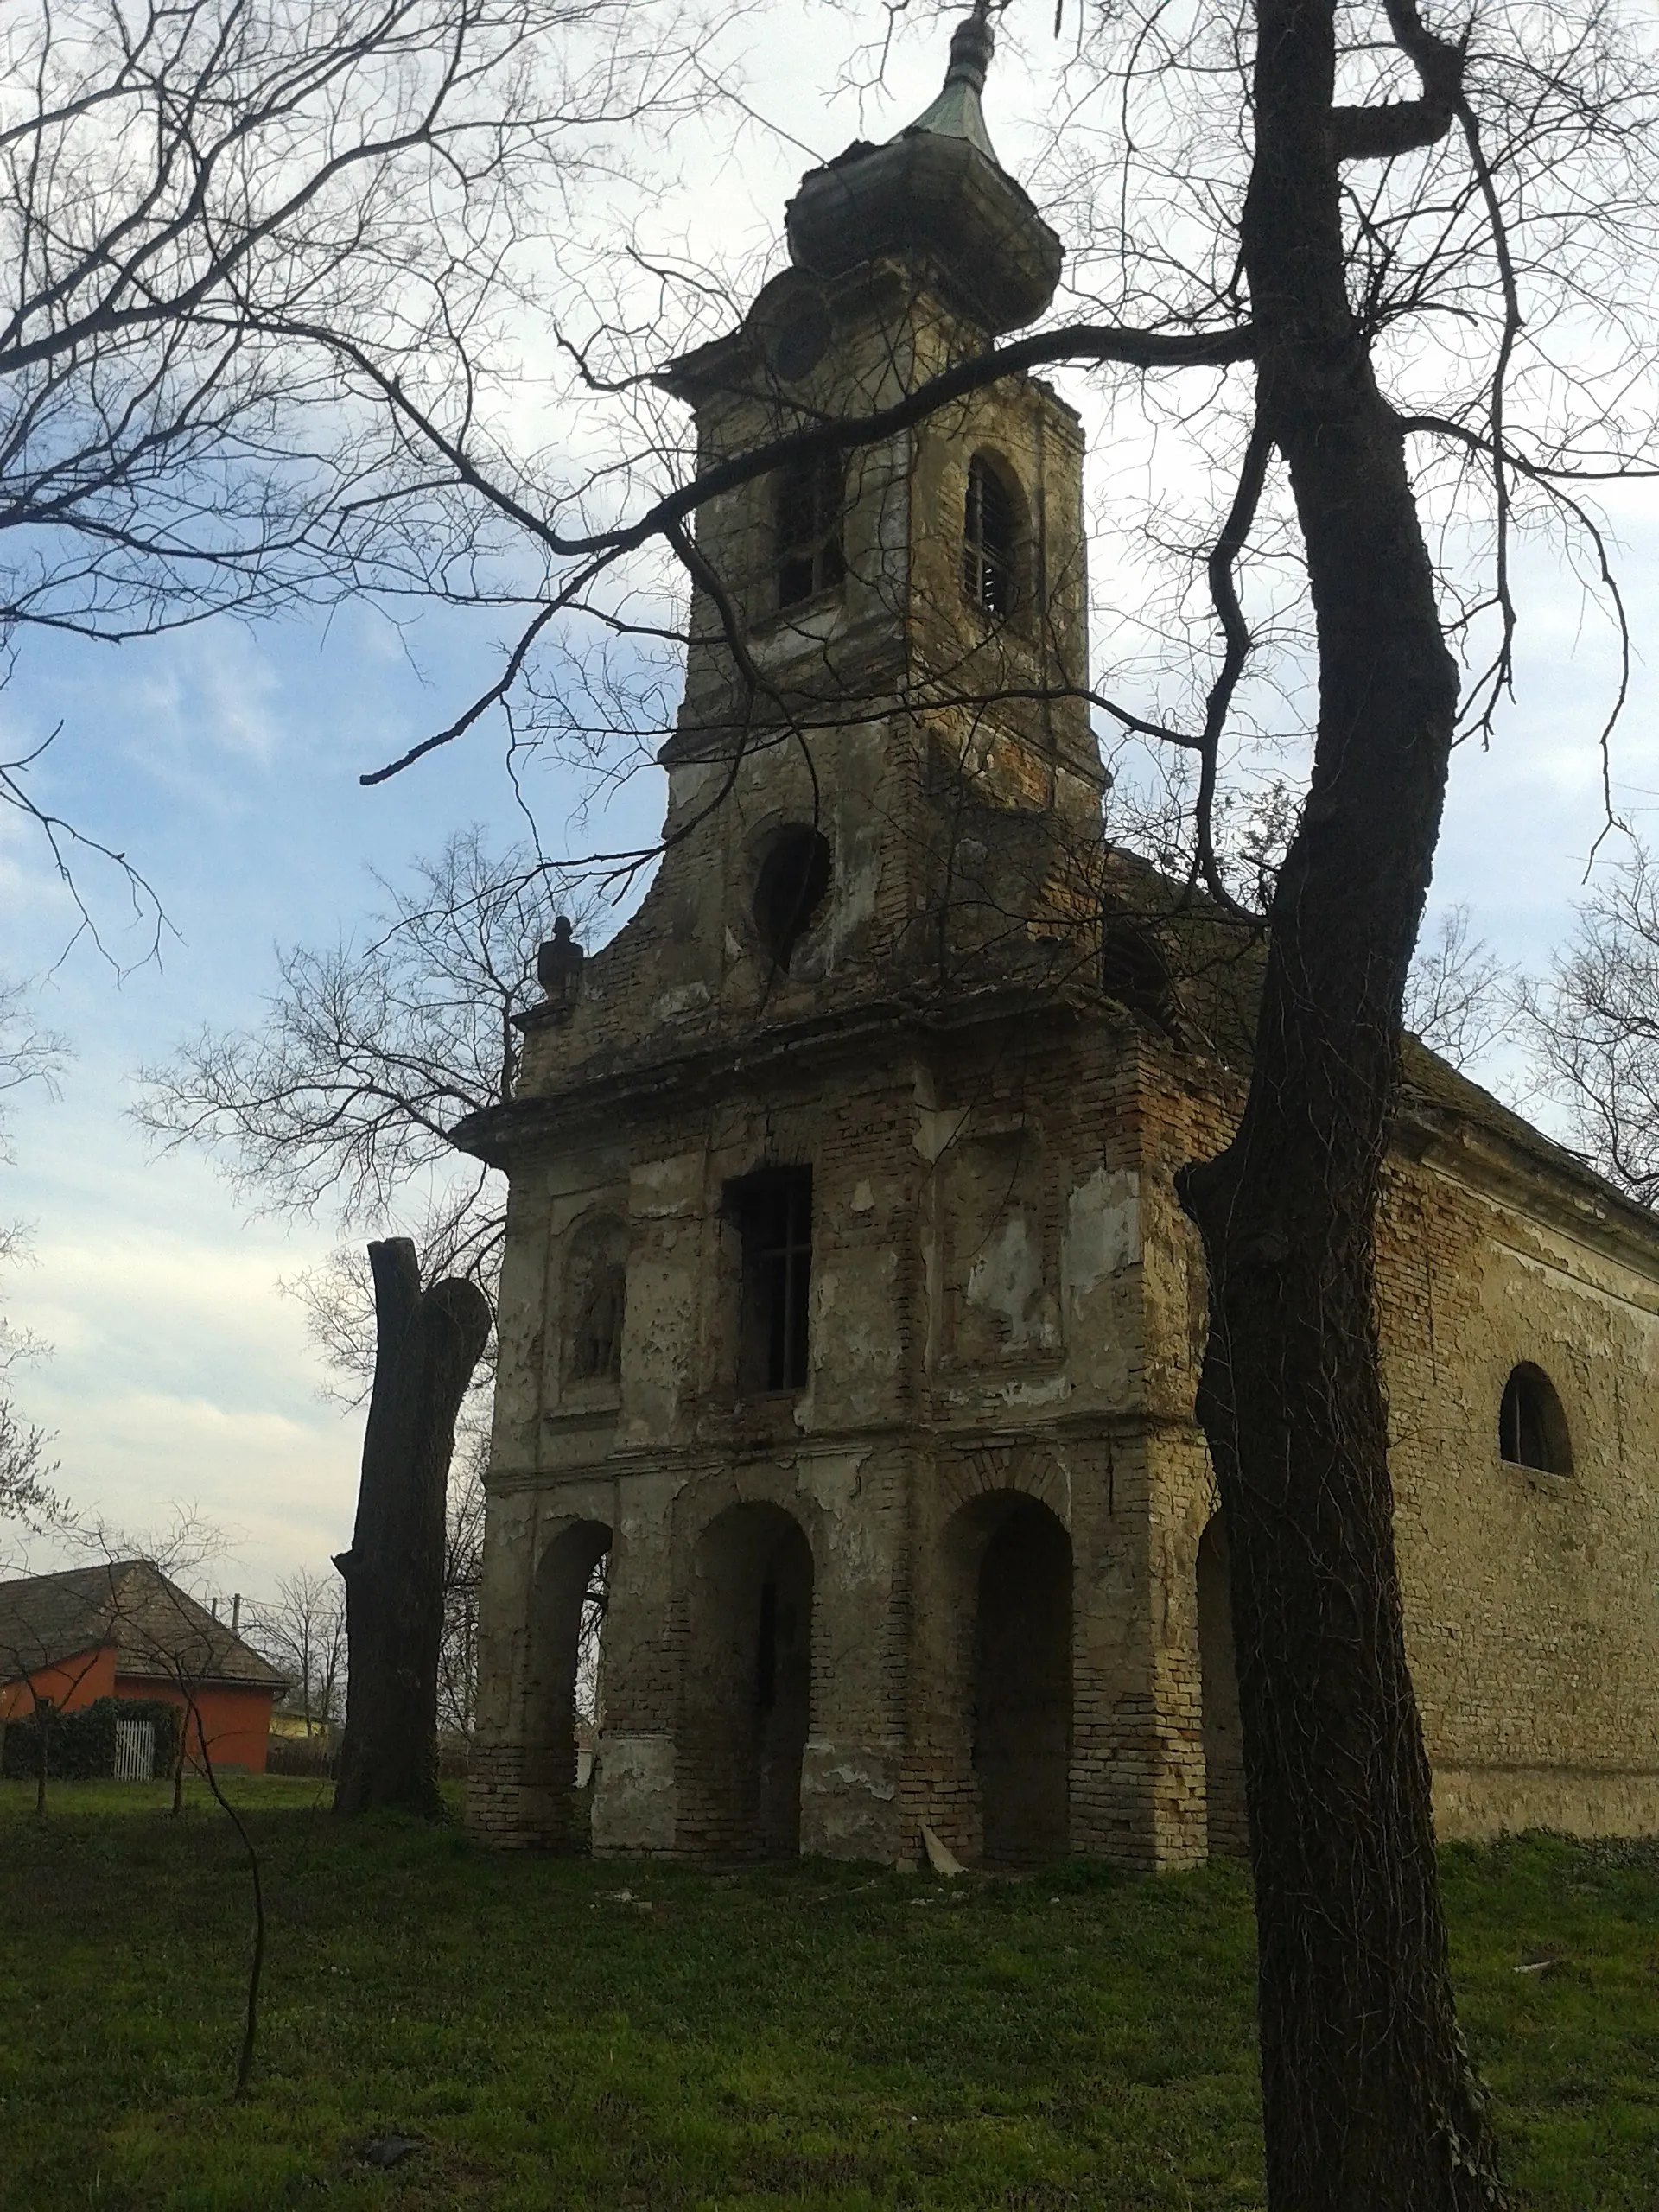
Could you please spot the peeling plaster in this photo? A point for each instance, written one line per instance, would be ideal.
(1102, 1229)
(938, 1129)
(675, 1005)
(1006, 1281)
(661, 1189)
(1053, 1390)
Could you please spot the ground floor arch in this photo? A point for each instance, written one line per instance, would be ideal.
(746, 1685)
(561, 1669)
(1021, 1686)
(1226, 1820)
(991, 1715)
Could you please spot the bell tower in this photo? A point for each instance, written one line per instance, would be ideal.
(820, 1310)
(884, 749)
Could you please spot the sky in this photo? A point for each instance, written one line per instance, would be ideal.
(225, 760)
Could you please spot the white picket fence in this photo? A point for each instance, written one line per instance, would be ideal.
(135, 1750)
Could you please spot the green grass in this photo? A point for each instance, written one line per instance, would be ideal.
(561, 2034)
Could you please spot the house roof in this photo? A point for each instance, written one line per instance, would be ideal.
(159, 1633)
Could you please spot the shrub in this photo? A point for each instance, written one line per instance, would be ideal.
(319, 1756)
(81, 1745)
(303, 1755)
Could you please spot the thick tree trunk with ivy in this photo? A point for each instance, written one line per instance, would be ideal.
(428, 1343)
(1368, 2099)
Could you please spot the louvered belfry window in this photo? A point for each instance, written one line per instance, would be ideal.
(988, 536)
(809, 499)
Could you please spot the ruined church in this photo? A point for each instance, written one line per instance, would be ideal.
(849, 1322)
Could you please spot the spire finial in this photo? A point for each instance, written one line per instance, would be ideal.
(972, 44)
(956, 113)
(936, 197)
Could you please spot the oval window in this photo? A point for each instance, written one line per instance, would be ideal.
(797, 346)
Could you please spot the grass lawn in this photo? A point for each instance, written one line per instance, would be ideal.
(560, 2034)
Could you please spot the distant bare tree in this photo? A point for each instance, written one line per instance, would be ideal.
(28, 1053)
(302, 1632)
(1458, 999)
(463, 1565)
(339, 1103)
(1459, 995)
(26, 1472)
(1593, 1027)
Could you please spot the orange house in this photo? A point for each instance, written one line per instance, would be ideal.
(125, 1630)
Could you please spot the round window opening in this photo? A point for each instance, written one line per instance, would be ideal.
(800, 342)
(1531, 1426)
(790, 888)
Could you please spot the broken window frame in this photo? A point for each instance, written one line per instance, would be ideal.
(772, 1212)
(991, 541)
(790, 884)
(809, 501)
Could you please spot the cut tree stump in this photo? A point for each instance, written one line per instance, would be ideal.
(428, 1342)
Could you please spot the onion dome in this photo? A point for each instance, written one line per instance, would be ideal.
(936, 195)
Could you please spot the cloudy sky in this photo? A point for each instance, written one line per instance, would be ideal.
(225, 762)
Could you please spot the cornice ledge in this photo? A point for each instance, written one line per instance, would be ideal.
(1544, 1180)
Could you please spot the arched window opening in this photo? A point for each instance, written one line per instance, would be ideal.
(1134, 972)
(597, 1301)
(590, 1681)
(748, 1685)
(1022, 1689)
(788, 888)
(564, 1689)
(806, 529)
(1226, 1819)
(1531, 1426)
(990, 541)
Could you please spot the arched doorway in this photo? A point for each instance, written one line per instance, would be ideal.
(1022, 1685)
(561, 1683)
(747, 1699)
(1227, 1821)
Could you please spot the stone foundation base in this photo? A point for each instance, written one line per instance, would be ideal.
(1470, 1802)
(849, 1802)
(635, 1798)
(494, 1814)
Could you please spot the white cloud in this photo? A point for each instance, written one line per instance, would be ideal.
(282, 1489)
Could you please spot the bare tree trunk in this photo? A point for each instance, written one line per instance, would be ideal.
(1368, 2101)
(428, 1345)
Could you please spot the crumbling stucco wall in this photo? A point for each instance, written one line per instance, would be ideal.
(1531, 1599)
(936, 1378)
(1007, 1303)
